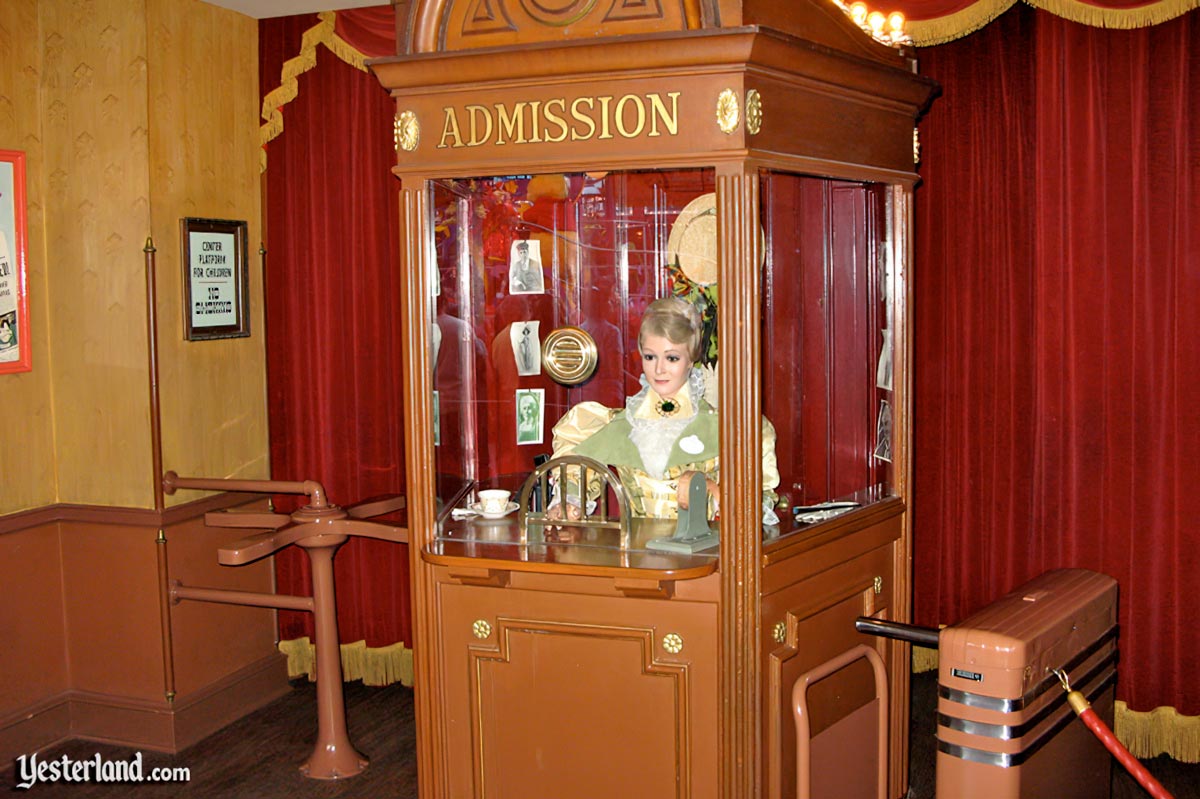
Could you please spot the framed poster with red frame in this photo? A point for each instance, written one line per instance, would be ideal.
(14, 302)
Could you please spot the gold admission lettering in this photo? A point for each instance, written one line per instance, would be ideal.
(535, 136)
(658, 110)
(511, 125)
(478, 137)
(584, 118)
(535, 121)
(555, 119)
(450, 128)
(641, 116)
(604, 131)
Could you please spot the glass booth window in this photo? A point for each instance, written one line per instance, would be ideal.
(827, 355)
(517, 260)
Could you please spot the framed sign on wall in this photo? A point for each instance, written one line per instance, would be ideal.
(14, 302)
(216, 279)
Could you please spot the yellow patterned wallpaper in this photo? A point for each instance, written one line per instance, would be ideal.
(133, 115)
(204, 156)
(27, 427)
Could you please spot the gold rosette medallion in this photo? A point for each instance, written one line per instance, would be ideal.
(407, 131)
(754, 111)
(728, 113)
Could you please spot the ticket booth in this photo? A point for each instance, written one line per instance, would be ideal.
(561, 166)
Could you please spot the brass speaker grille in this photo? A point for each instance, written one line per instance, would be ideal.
(569, 355)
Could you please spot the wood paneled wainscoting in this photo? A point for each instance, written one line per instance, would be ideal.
(94, 649)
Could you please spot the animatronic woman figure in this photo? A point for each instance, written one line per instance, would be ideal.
(667, 433)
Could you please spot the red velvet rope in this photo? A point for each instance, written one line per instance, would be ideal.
(1131, 763)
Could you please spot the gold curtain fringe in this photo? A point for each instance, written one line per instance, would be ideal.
(939, 30)
(301, 657)
(289, 88)
(924, 659)
(1121, 18)
(342, 48)
(379, 666)
(1162, 731)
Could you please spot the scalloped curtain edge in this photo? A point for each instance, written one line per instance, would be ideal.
(939, 30)
(324, 32)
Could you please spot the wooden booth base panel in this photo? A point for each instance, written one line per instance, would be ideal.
(548, 690)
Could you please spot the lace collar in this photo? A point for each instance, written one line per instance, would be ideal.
(655, 435)
(641, 406)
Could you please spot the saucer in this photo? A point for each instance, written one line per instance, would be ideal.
(512, 506)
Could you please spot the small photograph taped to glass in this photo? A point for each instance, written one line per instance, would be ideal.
(527, 348)
(883, 432)
(531, 405)
(525, 267)
(437, 421)
(883, 371)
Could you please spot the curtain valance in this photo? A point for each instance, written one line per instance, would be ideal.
(371, 31)
(937, 21)
(356, 34)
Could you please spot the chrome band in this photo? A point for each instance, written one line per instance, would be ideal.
(1005, 732)
(1008, 760)
(1006, 705)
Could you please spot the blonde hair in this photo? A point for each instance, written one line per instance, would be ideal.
(674, 319)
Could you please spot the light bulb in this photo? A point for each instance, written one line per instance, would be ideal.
(858, 13)
(895, 21)
(877, 20)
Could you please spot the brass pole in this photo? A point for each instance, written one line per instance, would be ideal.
(160, 542)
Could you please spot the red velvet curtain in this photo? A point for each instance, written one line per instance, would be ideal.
(371, 31)
(333, 321)
(1056, 274)
(1058, 332)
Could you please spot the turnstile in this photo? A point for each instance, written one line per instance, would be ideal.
(1004, 727)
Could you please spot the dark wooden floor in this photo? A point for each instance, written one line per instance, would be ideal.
(258, 756)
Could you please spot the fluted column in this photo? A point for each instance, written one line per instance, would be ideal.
(418, 437)
(739, 326)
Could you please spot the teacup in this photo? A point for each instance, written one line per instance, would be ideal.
(494, 500)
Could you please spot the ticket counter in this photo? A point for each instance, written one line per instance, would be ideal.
(562, 166)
